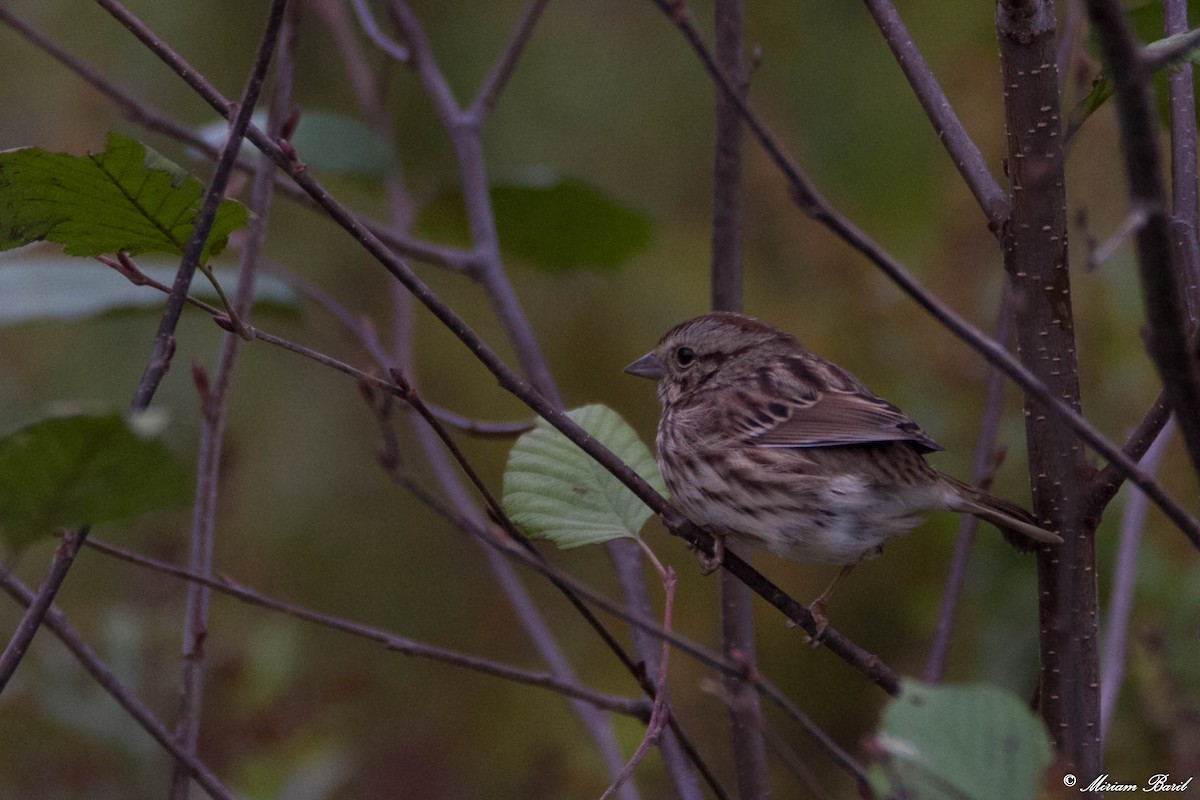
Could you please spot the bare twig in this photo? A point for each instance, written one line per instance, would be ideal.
(816, 206)
(661, 712)
(378, 38)
(1168, 338)
(1124, 582)
(366, 336)
(1109, 480)
(950, 131)
(35, 613)
(158, 363)
(497, 78)
(1159, 57)
(1128, 227)
(214, 404)
(636, 707)
(1185, 204)
(56, 622)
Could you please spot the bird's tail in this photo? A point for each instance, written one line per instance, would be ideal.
(1019, 527)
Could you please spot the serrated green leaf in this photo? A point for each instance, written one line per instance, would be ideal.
(959, 743)
(556, 225)
(554, 490)
(126, 197)
(83, 469)
(69, 289)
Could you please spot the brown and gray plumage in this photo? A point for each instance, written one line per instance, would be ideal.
(765, 442)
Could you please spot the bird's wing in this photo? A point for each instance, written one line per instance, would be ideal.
(814, 403)
(838, 418)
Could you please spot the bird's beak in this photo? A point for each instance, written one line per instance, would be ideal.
(648, 366)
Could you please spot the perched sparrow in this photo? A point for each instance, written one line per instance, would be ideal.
(764, 442)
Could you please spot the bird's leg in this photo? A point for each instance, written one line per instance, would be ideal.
(817, 607)
(710, 564)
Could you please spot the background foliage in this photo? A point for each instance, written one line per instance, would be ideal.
(608, 95)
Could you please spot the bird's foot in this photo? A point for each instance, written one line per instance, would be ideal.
(710, 564)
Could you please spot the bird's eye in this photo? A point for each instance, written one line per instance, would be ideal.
(685, 356)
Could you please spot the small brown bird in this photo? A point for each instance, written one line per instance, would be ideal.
(762, 441)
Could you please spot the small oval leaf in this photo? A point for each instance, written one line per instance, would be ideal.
(961, 742)
(554, 490)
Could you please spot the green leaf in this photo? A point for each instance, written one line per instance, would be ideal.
(341, 145)
(69, 289)
(1146, 20)
(554, 490)
(323, 141)
(1102, 86)
(959, 743)
(126, 197)
(556, 225)
(84, 469)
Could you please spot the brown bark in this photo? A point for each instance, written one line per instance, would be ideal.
(1034, 241)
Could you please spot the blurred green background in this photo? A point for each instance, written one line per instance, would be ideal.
(608, 94)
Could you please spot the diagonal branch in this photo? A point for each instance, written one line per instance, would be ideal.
(950, 131)
(497, 79)
(159, 360)
(637, 707)
(27, 628)
(56, 622)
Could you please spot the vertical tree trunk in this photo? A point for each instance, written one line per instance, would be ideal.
(1034, 240)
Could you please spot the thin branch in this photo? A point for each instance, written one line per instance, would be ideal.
(635, 707)
(865, 662)
(1155, 59)
(1185, 204)
(813, 204)
(159, 362)
(1108, 481)
(797, 767)
(981, 471)
(736, 602)
(378, 37)
(214, 406)
(497, 78)
(963, 151)
(1162, 279)
(661, 712)
(56, 622)
(464, 132)
(365, 335)
(35, 613)
(1124, 583)
(1128, 227)
(823, 740)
